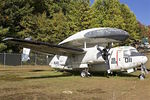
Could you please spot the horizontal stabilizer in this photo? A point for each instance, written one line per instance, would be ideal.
(25, 54)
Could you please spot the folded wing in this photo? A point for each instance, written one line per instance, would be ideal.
(45, 47)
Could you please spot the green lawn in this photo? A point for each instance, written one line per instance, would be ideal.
(43, 83)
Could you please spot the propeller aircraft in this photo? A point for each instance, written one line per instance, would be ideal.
(89, 50)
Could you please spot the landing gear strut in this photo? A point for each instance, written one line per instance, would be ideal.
(143, 72)
(85, 73)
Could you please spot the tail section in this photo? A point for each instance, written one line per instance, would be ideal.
(58, 62)
(25, 54)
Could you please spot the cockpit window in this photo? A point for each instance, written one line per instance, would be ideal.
(137, 54)
(130, 52)
(127, 53)
(133, 50)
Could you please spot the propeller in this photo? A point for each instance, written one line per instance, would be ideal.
(105, 53)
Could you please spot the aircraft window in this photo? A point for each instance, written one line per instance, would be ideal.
(127, 53)
(136, 54)
(133, 50)
(113, 61)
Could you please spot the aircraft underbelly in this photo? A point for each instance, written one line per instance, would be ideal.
(98, 67)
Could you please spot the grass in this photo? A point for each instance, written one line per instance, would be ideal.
(43, 83)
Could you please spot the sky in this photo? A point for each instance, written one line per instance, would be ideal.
(141, 9)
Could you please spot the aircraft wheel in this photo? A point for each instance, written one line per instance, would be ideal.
(84, 74)
(141, 76)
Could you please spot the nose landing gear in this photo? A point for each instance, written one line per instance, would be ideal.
(143, 72)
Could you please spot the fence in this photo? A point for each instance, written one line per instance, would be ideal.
(14, 59)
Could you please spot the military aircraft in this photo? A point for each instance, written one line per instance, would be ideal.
(89, 50)
(144, 45)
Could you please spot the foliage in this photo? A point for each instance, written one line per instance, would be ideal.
(3, 32)
(111, 13)
(54, 20)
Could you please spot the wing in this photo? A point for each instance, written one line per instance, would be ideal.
(45, 47)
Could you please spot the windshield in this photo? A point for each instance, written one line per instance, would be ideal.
(127, 53)
(134, 52)
(130, 52)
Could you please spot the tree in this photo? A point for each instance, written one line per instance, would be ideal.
(3, 32)
(143, 30)
(12, 12)
(80, 16)
(131, 24)
(149, 33)
(41, 28)
(58, 19)
(109, 14)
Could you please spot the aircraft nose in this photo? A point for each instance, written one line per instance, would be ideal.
(144, 59)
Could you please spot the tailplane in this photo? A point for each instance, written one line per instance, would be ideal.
(25, 54)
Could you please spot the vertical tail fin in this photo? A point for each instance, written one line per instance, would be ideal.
(25, 54)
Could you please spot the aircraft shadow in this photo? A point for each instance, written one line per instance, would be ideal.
(119, 74)
(37, 70)
(66, 74)
(140, 69)
(48, 76)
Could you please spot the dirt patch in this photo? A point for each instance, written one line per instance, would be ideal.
(26, 96)
(91, 91)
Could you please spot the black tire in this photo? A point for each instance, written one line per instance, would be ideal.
(141, 76)
(84, 74)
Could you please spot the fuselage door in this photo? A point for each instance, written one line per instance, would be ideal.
(127, 58)
(114, 59)
(119, 57)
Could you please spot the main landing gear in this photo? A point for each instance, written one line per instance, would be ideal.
(85, 73)
(143, 72)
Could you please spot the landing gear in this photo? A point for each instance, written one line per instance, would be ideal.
(109, 73)
(141, 76)
(85, 73)
(143, 72)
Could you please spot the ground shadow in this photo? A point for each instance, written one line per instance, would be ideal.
(37, 70)
(97, 74)
(49, 76)
(140, 69)
(119, 74)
